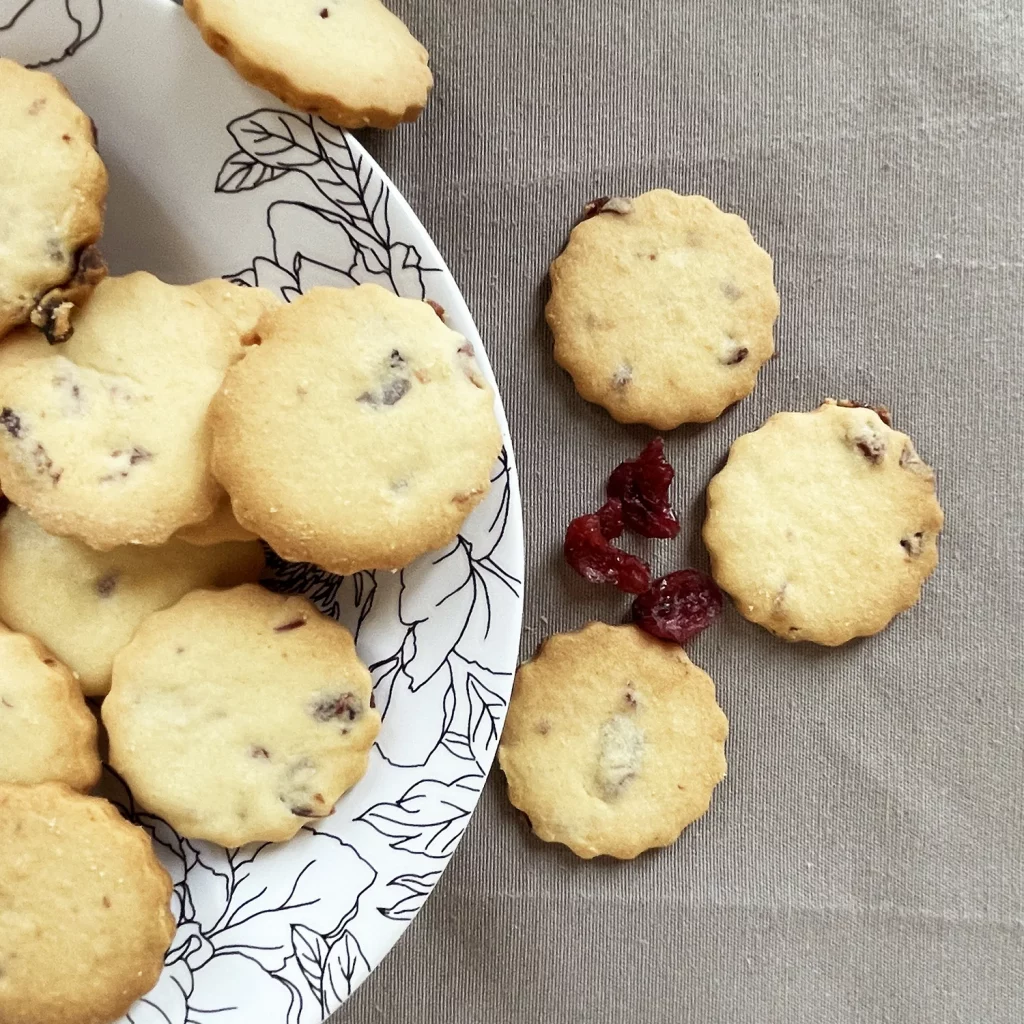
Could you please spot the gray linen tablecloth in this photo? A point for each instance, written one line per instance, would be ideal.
(863, 860)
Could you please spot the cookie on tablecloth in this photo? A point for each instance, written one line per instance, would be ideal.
(85, 605)
(53, 189)
(240, 715)
(614, 741)
(47, 734)
(823, 525)
(105, 438)
(358, 434)
(662, 308)
(352, 62)
(84, 908)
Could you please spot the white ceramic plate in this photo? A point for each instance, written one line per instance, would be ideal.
(212, 177)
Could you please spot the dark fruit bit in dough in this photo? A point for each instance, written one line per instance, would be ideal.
(342, 705)
(436, 307)
(880, 410)
(642, 487)
(107, 585)
(608, 204)
(588, 551)
(678, 606)
(11, 422)
(289, 626)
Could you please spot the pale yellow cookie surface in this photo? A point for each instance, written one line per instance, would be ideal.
(614, 741)
(106, 437)
(53, 188)
(47, 734)
(662, 309)
(358, 434)
(85, 605)
(352, 62)
(240, 715)
(84, 908)
(823, 525)
(243, 307)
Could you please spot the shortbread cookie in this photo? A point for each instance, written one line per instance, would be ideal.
(350, 61)
(85, 605)
(240, 715)
(47, 734)
(243, 306)
(662, 308)
(358, 434)
(84, 908)
(106, 438)
(823, 525)
(53, 188)
(614, 741)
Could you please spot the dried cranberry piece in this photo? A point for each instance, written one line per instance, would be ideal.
(610, 514)
(587, 550)
(678, 606)
(642, 487)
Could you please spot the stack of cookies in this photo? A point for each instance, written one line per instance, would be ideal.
(153, 438)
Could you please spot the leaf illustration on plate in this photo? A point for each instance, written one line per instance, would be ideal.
(311, 952)
(479, 707)
(429, 818)
(278, 139)
(416, 888)
(242, 172)
(65, 25)
(346, 964)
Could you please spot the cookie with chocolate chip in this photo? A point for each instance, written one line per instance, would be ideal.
(53, 190)
(352, 62)
(85, 917)
(614, 741)
(823, 525)
(47, 734)
(240, 715)
(662, 308)
(105, 437)
(358, 434)
(85, 605)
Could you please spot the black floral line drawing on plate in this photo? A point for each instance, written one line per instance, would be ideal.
(361, 245)
(67, 25)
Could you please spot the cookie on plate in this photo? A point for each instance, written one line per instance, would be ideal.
(85, 605)
(662, 308)
(823, 525)
(243, 306)
(105, 438)
(614, 741)
(358, 434)
(47, 734)
(240, 715)
(84, 908)
(53, 189)
(350, 61)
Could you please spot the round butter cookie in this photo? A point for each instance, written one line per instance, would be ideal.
(358, 434)
(47, 734)
(53, 190)
(85, 605)
(662, 308)
(350, 61)
(614, 741)
(106, 438)
(240, 715)
(84, 908)
(823, 525)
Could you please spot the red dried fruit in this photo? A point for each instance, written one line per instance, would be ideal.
(678, 606)
(610, 514)
(642, 487)
(587, 550)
